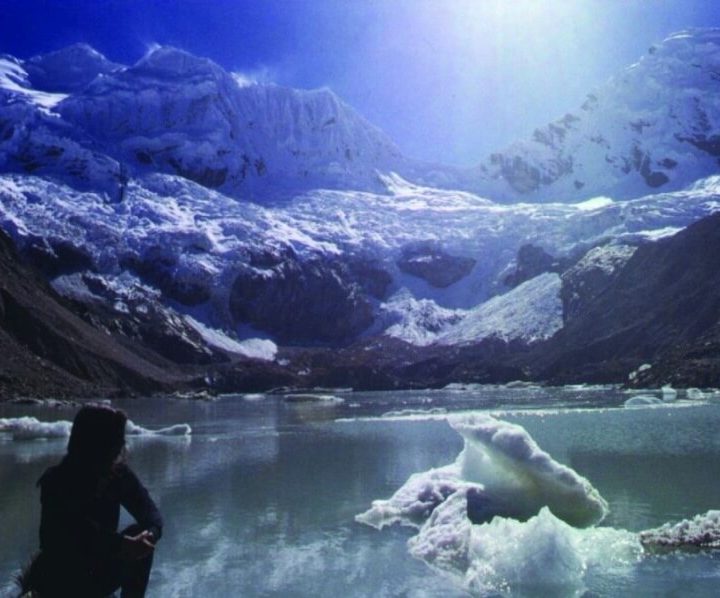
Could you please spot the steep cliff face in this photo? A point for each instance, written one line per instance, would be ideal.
(174, 112)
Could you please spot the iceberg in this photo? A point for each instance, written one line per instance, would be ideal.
(505, 472)
(506, 512)
(30, 428)
(541, 556)
(642, 401)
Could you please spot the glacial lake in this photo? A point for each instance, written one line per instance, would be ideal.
(261, 498)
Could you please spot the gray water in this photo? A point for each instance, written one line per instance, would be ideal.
(260, 500)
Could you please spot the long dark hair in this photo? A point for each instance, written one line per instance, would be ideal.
(97, 439)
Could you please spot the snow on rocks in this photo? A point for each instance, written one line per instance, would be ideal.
(530, 312)
(192, 243)
(255, 348)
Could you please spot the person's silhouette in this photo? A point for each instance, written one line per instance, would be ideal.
(81, 552)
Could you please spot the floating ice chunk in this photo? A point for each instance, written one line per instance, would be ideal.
(695, 394)
(463, 386)
(132, 429)
(642, 401)
(30, 428)
(668, 393)
(416, 500)
(313, 398)
(494, 518)
(444, 540)
(703, 531)
(518, 473)
(501, 556)
(402, 413)
(253, 396)
(508, 473)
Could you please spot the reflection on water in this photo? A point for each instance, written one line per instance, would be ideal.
(261, 499)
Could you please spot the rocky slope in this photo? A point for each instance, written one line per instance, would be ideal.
(661, 308)
(48, 349)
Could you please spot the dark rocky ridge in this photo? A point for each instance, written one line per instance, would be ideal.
(663, 306)
(48, 350)
(308, 301)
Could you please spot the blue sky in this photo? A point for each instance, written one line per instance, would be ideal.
(448, 80)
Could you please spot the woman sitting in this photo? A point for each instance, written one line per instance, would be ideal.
(81, 552)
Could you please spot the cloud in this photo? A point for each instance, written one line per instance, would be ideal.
(258, 76)
(150, 47)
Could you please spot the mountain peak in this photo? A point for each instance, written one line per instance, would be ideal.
(170, 62)
(68, 69)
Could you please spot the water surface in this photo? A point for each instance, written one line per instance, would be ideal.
(260, 500)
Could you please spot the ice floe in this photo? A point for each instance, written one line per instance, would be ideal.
(506, 512)
(318, 398)
(702, 531)
(643, 401)
(30, 428)
(509, 473)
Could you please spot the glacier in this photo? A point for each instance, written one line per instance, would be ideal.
(196, 243)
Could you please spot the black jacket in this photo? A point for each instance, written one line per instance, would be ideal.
(80, 514)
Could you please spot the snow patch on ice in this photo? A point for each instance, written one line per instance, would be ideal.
(594, 203)
(14, 78)
(530, 312)
(606, 258)
(416, 321)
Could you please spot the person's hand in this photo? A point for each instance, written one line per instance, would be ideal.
(137, 547)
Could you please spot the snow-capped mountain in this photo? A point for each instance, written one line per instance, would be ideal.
(176, 113)
(654, 126)
(67, 70)
(125, 186)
